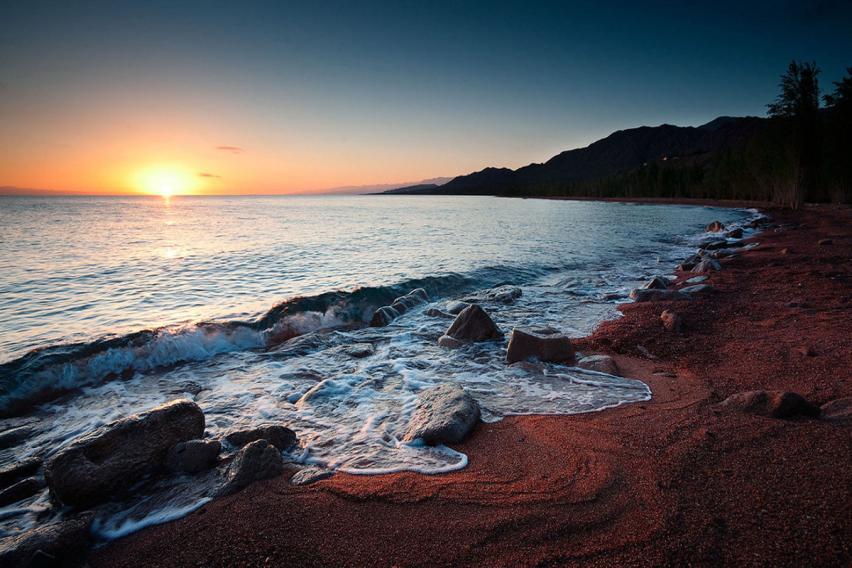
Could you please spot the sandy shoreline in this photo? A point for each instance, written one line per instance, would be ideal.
(669, 481)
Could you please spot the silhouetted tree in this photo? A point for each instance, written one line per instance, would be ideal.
(798, 103)
(838, 140)
(841, 98)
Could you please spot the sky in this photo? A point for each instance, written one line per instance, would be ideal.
(287, 97)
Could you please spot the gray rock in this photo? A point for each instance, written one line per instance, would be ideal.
(436, 313)
(449, 342)
(839, 409)
(12, 473)
(310, 475)
(474, 324)
(456, 307)
(698, 289)
(279, 436)
(359, 350)
(64, 543)
(96, 467)
(671, 321)
(773, 404)
(445, 415)
(656, 283)
(258, 460)
(386, 314)
(15, 436)
(651, 295)
(20, 490)
(599, 363)
(504, 294)
(193, 456)
(545, 347)
(707, 265)
(696, 279)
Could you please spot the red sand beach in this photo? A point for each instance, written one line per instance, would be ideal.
(673, 481)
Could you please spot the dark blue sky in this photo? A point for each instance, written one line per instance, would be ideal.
(329, 93)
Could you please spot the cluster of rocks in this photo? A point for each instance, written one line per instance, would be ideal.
(386, 314)
(785, 405)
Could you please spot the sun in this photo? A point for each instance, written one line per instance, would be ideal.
(165, 181)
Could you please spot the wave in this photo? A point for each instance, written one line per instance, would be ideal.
(47, 373)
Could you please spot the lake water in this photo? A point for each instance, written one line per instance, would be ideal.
(110, 306)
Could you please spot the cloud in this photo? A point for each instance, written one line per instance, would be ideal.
(231, 149)
(208, 175)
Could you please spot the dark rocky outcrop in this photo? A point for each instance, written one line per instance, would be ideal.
(652, 295)
(64, 543)
(14, 436)
(734, 233)
(309, 475)
(96, 467)
(445, 414)
(386, 314)
(474, 324)
(12, 473)
(257, 460)
(599, 363)
(773, 404)
(193, 456)
(552, 347)
(656, 283)
(279, 436)
(20, 490)
(671, 321)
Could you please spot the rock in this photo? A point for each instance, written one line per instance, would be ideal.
(690, 262)
(386, 314)
(706, 265)
(824, 242)
(504, 294)
(193, 456)
(696, 279)
(785, 251)
(773, 404)
(309, 475)
(715, 227)
(698, 289)
(359, 350)
(545, 347)
(21, 490)
(436, 313)
(279, 436)
(671, 321)
(651, 295)
(64, 543)
(839, 409)
(456, 307)
(16, 471)
(599, 363)
(257, 460)
(445, 414)
(449, 342)
(97, 466)
(734, 234)
(474, 324)
(723, 244)
(14, 436)
(656, 283)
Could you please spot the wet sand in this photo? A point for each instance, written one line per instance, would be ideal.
(668, 482)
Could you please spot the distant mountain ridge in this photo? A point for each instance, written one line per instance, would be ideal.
(618, 153)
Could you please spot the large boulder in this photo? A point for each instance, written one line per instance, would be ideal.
(706, 265)
(64, 543)
(654, 295)
(193, 456)
(279, 436)
(773, 404)
(97, 466)
(553, 347)
(656, 283)
(386, 314)
(445, 414)
(474, 324)
(258, 460)
(599, 363)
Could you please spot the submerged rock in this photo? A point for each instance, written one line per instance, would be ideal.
(386, 314)
(545, 347)
(671, 321)
(474, 324)
(445, 414)
(258, 460)
(773, 404)
(64, 543)
(456, 307)
(599, 363)
(715, 227)
(449, 342)
(279, 436)
(193, 456)
(656, 283)
(504, 294)
(309, 475)
(97, 466)
(436, 313)
(359, 350)
(652, 295)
